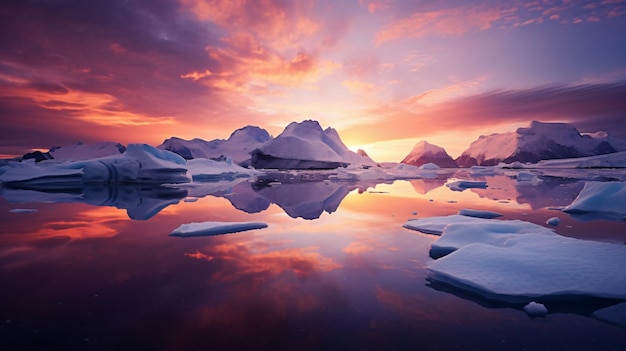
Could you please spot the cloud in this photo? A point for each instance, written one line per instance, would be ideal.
(454, 21)
(590, 107)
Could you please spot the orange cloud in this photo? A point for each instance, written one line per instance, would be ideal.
(456, 21)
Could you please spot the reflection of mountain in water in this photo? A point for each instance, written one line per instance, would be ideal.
(140, 201)
(423, 186)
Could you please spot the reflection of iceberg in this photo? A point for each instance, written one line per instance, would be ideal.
(140, 201)
(138, 164)
(307, 200)
(549, 192)
(214, 228)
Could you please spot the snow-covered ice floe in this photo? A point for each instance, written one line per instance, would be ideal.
(461, 185)
(215, 228)
(605, 200)
(612, 160)
(517, 261)
(479, 213)
(202, 169)
(139, 163)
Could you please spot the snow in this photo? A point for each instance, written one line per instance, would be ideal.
(238, 146)
(539, 141)
(306, 146)
(435, 225)
(535, 309)
(600, 197)
(202, 169)
(426, 153)
(461, 185)
(429, 165)
(479, 213)
(139, 163)
(80, 151)
(521, 261)
(214, 228)
(459, 232)
(613, 160)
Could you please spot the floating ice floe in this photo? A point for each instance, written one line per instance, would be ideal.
(601, 200)
(612, 160)
(461, 185)
(477, 230)
(517, 261)
(435, 225)
(535, 309)
(139, 163)
(202, 169)
(553, 221)
(479, 213)
(215, 228)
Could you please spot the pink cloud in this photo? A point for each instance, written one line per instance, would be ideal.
(455, 21)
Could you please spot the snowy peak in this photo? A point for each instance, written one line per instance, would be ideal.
(238, 146)
(305, 145)
(539, 141)
(424, 152)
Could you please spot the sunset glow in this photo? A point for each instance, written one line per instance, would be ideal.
(384, 73)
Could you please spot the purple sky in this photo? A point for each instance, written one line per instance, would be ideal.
(385, 74)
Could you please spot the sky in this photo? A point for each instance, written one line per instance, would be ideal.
(384, 73)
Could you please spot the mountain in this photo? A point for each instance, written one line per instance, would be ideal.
(424, 152)
(306, 145)
(238, 146)
(540, 141)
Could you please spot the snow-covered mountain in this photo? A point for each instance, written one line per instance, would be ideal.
(540, 141)
(306, 145)
(238, 146)
(424, 152)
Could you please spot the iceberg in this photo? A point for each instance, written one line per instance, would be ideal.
(202, 169)
(140, 163)
(461, 185)
(214, 228)
(535, 309)
(479, 213)
(238, 146)
(516, 261)
(306, 146)
(601, 198)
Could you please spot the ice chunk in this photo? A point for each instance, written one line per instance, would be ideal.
(139, 163)
(479, 213)
(461, 185)
(436, 225)
(535, 265)
(607, 197)
(215, 228)
(202, 169)
(554, 221)
(535, 309)
(492, 232)
(429, 165)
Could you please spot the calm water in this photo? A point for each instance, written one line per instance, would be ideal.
(333, 270)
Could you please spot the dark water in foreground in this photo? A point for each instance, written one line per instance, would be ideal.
(78, 276)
